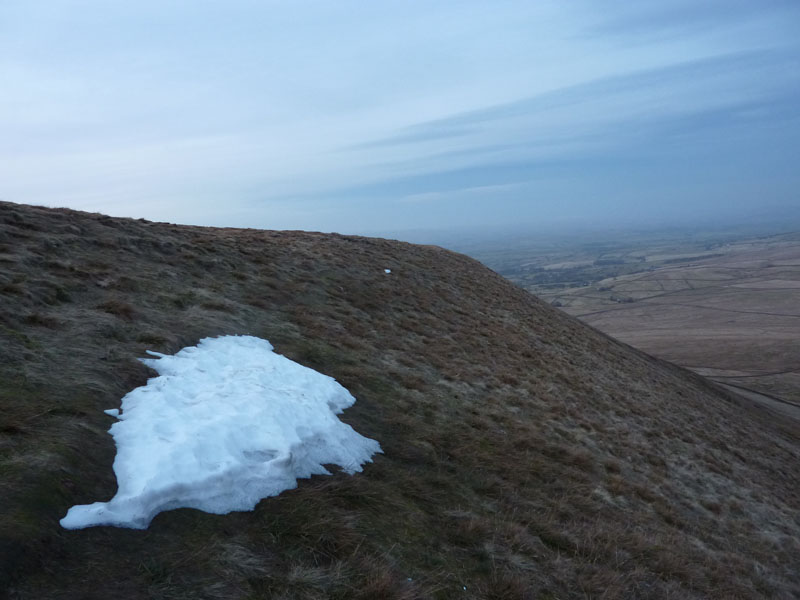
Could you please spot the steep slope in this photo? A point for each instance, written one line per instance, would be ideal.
(526, 455)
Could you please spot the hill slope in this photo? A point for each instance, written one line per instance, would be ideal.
(526, 455)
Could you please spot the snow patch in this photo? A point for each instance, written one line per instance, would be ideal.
(227, 423)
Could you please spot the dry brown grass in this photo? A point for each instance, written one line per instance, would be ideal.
(729, 314)
(526, 455)
(117, 307)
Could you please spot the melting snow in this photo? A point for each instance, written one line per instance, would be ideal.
(227, 423)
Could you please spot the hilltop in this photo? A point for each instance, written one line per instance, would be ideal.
(526, 455)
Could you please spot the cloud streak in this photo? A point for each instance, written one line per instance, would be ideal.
(352, 116)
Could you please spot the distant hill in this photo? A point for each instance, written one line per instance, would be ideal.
(526, 454)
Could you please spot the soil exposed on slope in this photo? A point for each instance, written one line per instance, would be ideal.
(526, 455)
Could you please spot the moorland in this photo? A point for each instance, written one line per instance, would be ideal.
(723, 303)
(525, 454)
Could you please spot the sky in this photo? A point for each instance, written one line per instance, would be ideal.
(402, 115)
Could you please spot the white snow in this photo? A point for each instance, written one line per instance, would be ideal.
(227, 423)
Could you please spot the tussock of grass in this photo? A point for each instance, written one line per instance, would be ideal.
(526, 456)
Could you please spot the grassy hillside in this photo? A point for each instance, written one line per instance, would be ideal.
(723, 305)
(526, 455)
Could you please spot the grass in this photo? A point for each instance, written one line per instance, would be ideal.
(728, 314)
(525, 455)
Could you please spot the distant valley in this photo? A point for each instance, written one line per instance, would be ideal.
(724, 304)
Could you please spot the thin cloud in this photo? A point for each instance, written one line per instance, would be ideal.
(349, 115)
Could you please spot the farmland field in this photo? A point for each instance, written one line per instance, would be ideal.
(724, 305)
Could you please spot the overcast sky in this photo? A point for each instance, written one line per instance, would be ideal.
(372, 116)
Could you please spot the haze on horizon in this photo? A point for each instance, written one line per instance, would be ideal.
(365, 117)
